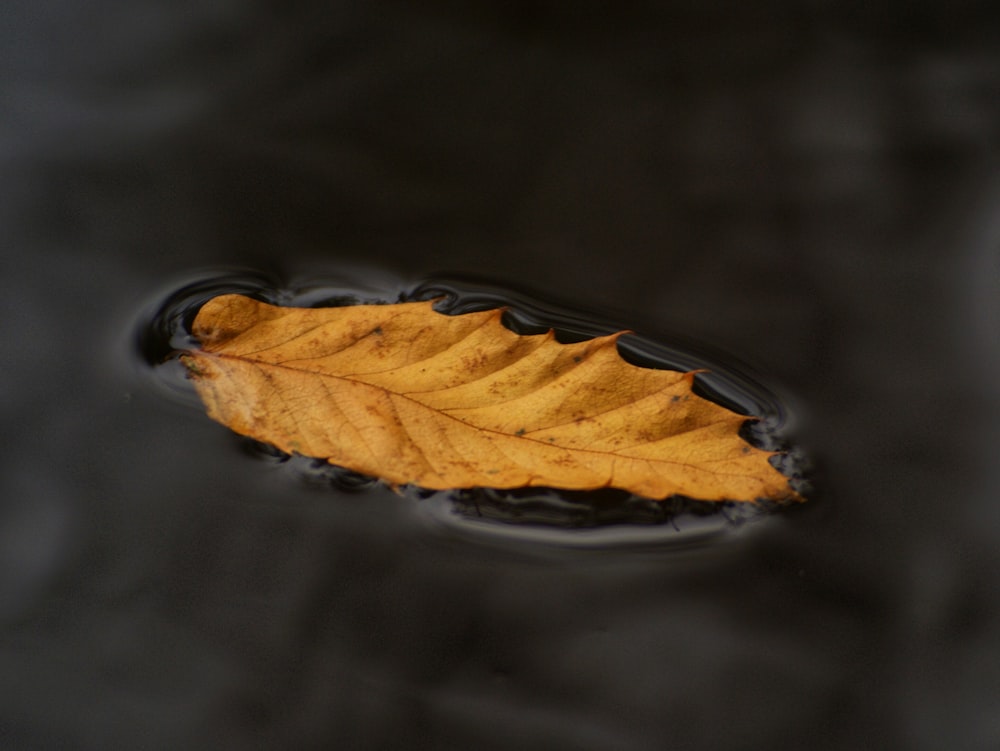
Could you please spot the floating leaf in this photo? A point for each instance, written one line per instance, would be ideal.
(411, 395)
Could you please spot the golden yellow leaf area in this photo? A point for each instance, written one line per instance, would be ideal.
(411, 395)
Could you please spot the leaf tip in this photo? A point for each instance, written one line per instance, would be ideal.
(690, 374)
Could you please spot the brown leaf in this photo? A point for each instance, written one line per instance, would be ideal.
(411, 395)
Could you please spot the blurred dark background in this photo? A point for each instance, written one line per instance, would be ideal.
(812, 187)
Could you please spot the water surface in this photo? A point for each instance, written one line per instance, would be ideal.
(810, 191)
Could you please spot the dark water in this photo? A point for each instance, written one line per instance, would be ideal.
(810, 189)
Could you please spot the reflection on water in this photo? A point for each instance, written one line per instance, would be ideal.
(551, 519)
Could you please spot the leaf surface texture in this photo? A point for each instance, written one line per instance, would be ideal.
(411, 395)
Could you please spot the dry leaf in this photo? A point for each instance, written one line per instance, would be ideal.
(411, 395)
